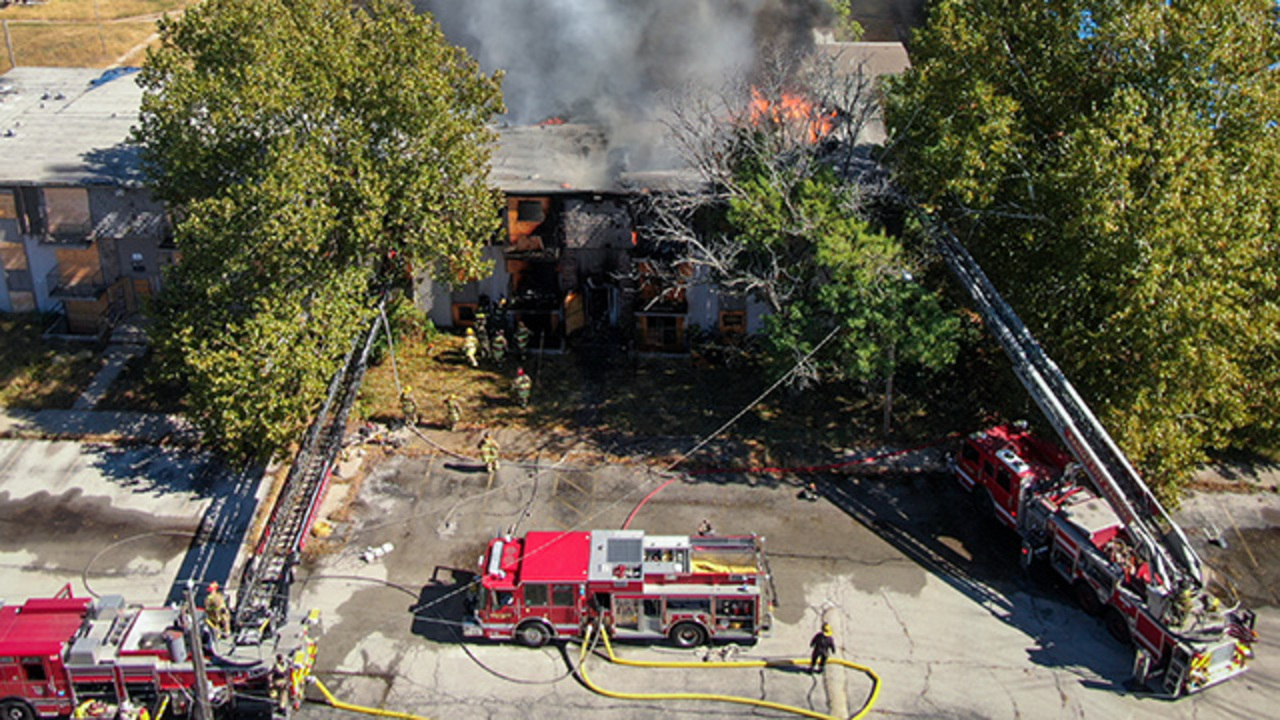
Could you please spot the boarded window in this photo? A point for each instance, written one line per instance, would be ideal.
(67, 210)
(733, 322)
(8, 205)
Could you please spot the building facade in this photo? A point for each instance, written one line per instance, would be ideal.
(80, 238)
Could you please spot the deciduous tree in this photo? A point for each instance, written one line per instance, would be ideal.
(312, 151)
(1113, 166)
(786, 212)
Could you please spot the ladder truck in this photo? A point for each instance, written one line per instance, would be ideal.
(1094, 520)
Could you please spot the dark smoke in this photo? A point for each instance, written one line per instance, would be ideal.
(605, 61)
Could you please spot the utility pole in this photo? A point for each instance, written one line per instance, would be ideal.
(202, 710)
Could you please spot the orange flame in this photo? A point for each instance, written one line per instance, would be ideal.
(557, 120)
(794, 111)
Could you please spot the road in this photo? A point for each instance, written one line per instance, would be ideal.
(926, 592)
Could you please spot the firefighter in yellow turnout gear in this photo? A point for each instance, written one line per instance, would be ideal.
(489, 450)
(216, 611)
(523, 385)
(470, 346)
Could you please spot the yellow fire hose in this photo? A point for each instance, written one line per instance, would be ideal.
(712, 697)
(361, 708)
(582, 674)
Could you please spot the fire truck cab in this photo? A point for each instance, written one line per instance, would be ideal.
(103, 658)
(550, 585)
(1188, 641)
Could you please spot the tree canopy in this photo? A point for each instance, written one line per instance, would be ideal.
(312, 151)
(1113, 166)
(789, 214)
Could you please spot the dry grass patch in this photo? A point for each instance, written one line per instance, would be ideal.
(91, 10)
(36, 373)
(75, 45)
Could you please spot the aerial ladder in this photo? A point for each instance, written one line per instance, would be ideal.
(1163, 542)
(263, 598)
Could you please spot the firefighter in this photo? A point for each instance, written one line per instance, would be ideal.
(499, 347)
(522, 339)
(522, 385)
(704, 528)
(810, 491)
(489, 453)
(216, 612)
(409, 407)
(823, 645)
(482, 332)
(454, 410)
(281, 684)
(469, 347)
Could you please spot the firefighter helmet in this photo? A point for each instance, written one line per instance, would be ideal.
(470, 331)
(826, 629)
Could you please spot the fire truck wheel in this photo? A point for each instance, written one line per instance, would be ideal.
(1117, 626)
(16, 710)
(687, 635)
(1087, 598)
(533, 634)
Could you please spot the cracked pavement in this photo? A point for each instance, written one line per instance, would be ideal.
(928, 594)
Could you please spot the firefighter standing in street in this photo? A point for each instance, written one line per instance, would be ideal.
(281, 684)
(454, 409)
(489, 453)
(499, 347)
(522, 340)
(216, 612)
(823, 645)
(469, 347)
(523, 384)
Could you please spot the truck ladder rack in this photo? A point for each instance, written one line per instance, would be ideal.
(1074, 422)
(263, 598)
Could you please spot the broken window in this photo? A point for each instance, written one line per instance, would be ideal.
(529, 211)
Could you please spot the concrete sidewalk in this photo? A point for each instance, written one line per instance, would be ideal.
(95, 425)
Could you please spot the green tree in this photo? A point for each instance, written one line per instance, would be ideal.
(312, 151)
(787, 214)
(1113, 166)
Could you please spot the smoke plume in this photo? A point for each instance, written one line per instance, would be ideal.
(606, 61)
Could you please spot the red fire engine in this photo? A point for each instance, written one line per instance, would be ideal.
(688, 589)
(1188, 637)
(103, 658)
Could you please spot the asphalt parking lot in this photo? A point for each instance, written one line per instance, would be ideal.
(924, 591)
(116, 519)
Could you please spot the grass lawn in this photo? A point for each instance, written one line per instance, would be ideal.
(136, 390)
(82, 33)
(621, 404)
(38, 374)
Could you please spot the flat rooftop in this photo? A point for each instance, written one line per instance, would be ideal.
(58, 125)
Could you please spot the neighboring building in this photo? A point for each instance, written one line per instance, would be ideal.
(79, 235)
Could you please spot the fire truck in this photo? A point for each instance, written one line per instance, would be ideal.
(1093, 519)
(689, 590)
(104, 658)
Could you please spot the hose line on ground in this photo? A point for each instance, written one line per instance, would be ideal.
(588, 644)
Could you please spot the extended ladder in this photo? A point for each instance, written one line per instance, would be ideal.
(1106, 465)
(263, 598)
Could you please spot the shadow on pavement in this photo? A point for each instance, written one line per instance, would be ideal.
(441, 606)
(926, 516)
